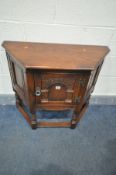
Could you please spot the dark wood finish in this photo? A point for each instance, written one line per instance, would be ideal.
(55, 56)
(53, 77)
(54, 124)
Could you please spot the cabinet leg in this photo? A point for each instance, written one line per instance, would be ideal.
(77, 115)
(18, 100)
(34, 121)
(74, 121)
(31, 120)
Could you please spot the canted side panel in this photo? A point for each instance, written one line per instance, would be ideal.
(11, 70)
(93, 79)
(17, 77)
(96, 75)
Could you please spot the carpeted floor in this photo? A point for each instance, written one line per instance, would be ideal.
(90, 149)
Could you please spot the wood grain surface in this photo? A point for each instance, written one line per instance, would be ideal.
(55, 56)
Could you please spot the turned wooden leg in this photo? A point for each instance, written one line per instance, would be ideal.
(78, 114)
(31, 120)
(34, 121)
(33, 117)
(18, 100)
(74, 121)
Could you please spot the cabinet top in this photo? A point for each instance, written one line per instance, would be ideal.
(55, 56)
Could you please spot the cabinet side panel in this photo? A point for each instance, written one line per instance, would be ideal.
(93, 79)
(17, 77)
(11, 70)
(97, 74)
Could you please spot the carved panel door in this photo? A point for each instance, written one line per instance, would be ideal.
(67, 88)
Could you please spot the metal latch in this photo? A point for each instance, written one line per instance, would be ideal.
(78, 99)
(38, 91)
(82, 82)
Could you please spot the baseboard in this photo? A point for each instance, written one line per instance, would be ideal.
(7, 99)
(95, 100)
(103, 100)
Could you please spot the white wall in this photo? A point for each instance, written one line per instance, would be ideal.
(61, 21)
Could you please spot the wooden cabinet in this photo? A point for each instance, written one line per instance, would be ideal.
(53, 77)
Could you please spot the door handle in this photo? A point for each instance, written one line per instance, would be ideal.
(38, 91)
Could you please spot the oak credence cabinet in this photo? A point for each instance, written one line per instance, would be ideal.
(53, 77)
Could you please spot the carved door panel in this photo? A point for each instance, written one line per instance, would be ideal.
(59, 87)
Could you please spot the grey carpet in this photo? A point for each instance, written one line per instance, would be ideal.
(90, 149)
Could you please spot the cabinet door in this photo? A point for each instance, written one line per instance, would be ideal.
(56, 87)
